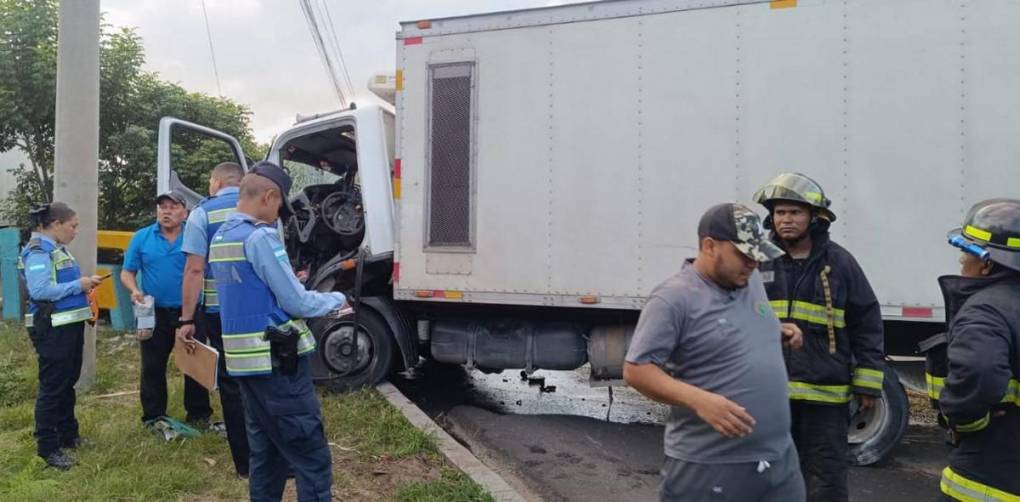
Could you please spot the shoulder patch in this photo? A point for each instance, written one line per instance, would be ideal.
(768, 276)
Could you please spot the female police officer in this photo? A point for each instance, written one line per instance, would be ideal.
(57, 311)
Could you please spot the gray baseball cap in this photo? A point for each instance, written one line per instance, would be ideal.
(741, 226)
(172, 195)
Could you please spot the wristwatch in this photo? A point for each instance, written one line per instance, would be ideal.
(185, 322)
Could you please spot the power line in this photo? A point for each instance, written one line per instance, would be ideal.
(336, 44)
(212, 51)
(320, 44)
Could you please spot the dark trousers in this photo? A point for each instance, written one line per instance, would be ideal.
(820, 433)
(60, 354)
(152, 389)
(208, 325)
(285, 428)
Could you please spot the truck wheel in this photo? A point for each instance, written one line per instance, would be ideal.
(341, 365)
(874, 433)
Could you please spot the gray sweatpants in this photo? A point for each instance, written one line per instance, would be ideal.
(778, 480)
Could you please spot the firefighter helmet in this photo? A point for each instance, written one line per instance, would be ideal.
(994, 226)
(795, 187)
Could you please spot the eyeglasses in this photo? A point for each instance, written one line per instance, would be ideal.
(969, 247)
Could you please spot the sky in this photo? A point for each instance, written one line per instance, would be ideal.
(264, 50)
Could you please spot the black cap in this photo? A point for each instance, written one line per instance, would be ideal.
(273, 173)
(172, 195)
(741, 226)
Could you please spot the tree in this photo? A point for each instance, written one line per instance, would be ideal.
(131, 103)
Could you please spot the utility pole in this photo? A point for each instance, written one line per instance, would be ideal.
(76, 172)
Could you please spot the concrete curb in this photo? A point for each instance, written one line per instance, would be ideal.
(456, 453)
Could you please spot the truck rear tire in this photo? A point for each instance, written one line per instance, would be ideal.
(341, 366)
(875, 433)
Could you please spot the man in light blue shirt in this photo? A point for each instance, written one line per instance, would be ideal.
(155, 251)
(200, 314)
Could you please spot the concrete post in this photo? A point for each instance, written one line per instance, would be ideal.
(76, 174)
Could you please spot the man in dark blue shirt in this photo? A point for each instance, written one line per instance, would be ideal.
(155, 251)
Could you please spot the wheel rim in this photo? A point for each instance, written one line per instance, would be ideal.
(865, 425)
(342, 354)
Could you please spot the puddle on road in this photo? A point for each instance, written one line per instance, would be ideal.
(438, 388)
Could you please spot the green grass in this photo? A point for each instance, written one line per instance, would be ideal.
(453, 486)
(377, 454)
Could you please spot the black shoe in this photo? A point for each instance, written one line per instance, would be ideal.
(59, 460)
(78, 442)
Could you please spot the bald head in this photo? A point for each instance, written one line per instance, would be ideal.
(254, 186)
(259, 197)
(229, 174)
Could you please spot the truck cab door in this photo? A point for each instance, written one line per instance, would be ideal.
(187, 153)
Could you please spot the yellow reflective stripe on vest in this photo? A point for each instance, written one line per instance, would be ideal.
(70, 316)
(210, 297)
(63, 318)
(251, 352)
(220, 215)
(249, 363)
(802, 391)
(1013, 392)
(306, 342)
(228, 251)
(868, 378)
(961, 488)
(935, 385)
(245, 343)
(974, 426)
(810, 312)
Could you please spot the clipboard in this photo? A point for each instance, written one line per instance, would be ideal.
(201, 366)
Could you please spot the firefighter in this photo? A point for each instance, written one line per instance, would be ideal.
(819, 286)
(974, 368)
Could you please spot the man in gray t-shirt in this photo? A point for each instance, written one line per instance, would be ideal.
(709, 345)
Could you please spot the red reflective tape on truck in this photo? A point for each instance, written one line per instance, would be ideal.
(396, 272)
(917, 312)
(413, 40)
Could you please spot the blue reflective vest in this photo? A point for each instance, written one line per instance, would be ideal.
(63, 268)
(247, 305)
(218, 209)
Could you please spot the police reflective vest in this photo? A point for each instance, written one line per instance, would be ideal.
(218, 209)
(247, 305)
(63, 268)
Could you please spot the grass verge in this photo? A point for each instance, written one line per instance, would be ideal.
(377, 454)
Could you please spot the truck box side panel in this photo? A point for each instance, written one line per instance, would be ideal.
(595, 222)
(600, 143)
(904, 177)
(688, 124)
(990, 83)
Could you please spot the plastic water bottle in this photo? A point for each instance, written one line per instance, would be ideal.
(145, 318)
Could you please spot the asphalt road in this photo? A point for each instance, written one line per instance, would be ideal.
(550, 437)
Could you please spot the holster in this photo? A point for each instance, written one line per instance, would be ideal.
(42, 319)
(283, 346)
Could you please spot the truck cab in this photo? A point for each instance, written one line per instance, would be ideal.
(338, 226)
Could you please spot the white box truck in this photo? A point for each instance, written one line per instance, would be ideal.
(540, 171)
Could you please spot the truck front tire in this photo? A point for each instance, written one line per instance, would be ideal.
(341, 366)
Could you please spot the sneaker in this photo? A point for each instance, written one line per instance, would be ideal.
(78, 442)
(59, 460)
(219, 427)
